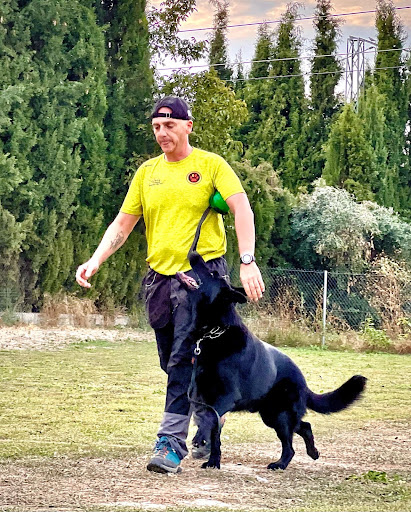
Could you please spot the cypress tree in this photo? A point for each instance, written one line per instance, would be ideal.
(276, 139)
(129, 90)
(323, 100)
(69, 160)
(325, 60)
(218, 58)
(239, 77)
(350, 161)
(405, 193)
(17, 139)
(391, 83)
(252, 91)
(371, 106)
(54, 148)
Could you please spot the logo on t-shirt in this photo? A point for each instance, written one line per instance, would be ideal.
(155, 181)
(194, 177)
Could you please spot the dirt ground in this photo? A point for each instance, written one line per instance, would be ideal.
(66, 484)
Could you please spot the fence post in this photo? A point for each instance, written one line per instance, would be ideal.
(324, 306)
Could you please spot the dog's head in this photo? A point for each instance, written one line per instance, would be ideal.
(210, 289)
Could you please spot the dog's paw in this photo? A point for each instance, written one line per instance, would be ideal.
(276, 465)
(314, 454)
(211, 464)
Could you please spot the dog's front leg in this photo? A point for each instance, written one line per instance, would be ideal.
(224, 404)
(215, 448)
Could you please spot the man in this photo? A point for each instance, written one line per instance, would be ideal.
(171, 192)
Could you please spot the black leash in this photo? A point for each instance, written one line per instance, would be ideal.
(198, 230)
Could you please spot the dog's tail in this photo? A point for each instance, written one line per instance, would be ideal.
(339, 399)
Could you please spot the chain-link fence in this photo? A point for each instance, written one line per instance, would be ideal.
(317, 300)
(322, 300)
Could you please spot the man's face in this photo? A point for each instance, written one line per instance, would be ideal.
(171, 134)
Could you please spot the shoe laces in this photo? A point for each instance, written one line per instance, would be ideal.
(162, 445)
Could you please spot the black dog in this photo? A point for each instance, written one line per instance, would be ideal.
(238, 372)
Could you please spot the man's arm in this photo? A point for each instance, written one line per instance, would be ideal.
(114, 237)
(250, 275)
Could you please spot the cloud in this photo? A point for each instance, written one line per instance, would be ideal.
(245, 12)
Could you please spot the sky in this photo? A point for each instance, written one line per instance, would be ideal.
(243, 39)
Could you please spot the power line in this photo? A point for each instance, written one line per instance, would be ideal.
(308, 73)
(297, 19)
(280, 59)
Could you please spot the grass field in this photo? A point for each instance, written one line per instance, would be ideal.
(77, 426)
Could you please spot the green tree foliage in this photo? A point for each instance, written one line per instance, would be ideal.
(17, 139)
(371, 107)
(58, 125)
(252, 91)
(68, 112)
(164, 25)
(129, 89)
(276, 139)
(393, 238)
(391, 82)
(350, 160)
(239, 78)
(406, 182)
(218, 58)
(325, 60)
(324, 103)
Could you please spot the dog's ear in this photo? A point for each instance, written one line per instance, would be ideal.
(235, 294)
(196, 260)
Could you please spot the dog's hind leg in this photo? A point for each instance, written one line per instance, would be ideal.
(284, 427)
(304, 430)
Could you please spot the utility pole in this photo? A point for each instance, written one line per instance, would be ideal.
(355, 66)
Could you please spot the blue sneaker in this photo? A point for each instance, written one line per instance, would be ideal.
(165, 459)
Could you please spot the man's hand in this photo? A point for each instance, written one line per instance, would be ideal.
(252, 281)
(85, 271)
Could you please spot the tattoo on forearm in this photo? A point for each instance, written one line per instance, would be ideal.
(114, 244)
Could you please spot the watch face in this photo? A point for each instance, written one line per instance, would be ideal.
(247, 258)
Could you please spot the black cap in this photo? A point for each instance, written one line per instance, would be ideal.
(179, 108)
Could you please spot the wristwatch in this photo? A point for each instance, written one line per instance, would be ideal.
(247, 258)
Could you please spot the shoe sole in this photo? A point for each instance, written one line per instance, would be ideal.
(163, 469)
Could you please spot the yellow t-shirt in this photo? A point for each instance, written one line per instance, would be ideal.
(172, 197)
